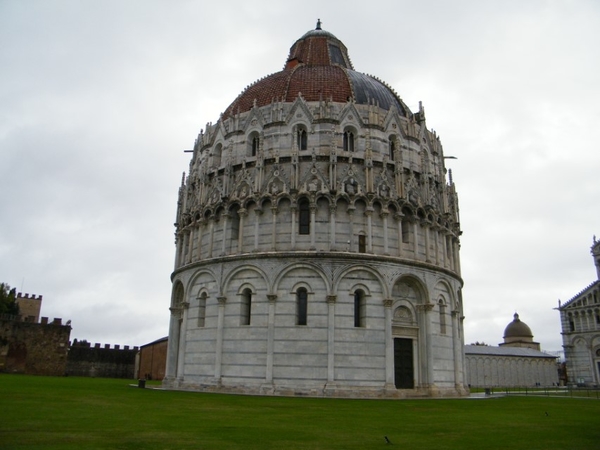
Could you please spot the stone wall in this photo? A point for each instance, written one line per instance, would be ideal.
(101, 361)
(34, 348)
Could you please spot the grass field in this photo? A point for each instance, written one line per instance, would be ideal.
(95, 413)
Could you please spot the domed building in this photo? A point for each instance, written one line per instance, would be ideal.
(317, 242)
(517, 362)
(518, 334)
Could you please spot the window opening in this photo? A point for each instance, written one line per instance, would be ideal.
(362, 243)
(360, 308)
(304, 217)
(348, 141)
(202, 310)
(246, 307)
(442, 317)
(405, 232)
(301, 306)
(253, 144)
(301, 138)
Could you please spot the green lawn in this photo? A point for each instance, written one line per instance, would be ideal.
(94, 413)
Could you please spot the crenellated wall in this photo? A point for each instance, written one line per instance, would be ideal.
(101, 360)
(34, 348)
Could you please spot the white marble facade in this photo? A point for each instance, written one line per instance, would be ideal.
(580, 322)
(317, 243)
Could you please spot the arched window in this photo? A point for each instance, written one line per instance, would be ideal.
(362, 243)
(392, 148)
(301, 306)
(442, 307)
(360, 308)
(303, 216)
(202, 309)
(246, 307)
(301, 138)
(216, 156)
(253, 144)
(348, 141)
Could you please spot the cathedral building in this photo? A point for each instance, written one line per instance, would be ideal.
(580, 322)
(317, 242)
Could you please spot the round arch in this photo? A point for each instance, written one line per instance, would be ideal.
(354, 268)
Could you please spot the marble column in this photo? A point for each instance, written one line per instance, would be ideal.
(369, 214)
(243, 213)
(332, 211)
(331, 299)
(182, 341)
(313, 222)
(173, 343)
(389, 344)
(270, 338)
(225, 216)
(258, 213)
(219, 349)
(384, 217)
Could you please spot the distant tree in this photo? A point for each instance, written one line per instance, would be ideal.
(8, 300)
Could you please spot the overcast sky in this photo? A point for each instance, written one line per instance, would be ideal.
(98, 100)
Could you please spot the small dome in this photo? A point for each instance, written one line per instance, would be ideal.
(517, 329)
(319, 69)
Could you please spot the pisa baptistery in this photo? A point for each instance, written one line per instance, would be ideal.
(317, 242)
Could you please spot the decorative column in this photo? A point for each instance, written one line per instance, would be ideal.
(446, 254)
(398, 217)
(426, 339)
(331, 299)
(384, 217)
(332, 211)
(184, 246)
(415, 224)
(219, 350)
(211, 239)
(436, 244)
(313, 221)
(457, 268)
(258, 213)
(243, 213)
(274, 233)
(225, 216)
(182, 340)
(294, 210)
(427, 231)
(369, 214)
(458, 351)
(173, 343)
(201, 225)
(178, 247)
(270, 338)
(190, 253)
(389, 344)
(351, 236)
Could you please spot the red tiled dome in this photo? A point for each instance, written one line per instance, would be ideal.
(318, 68)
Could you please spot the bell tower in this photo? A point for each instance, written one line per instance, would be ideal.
(596, 255)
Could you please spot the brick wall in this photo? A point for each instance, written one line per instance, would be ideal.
(153, 360)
